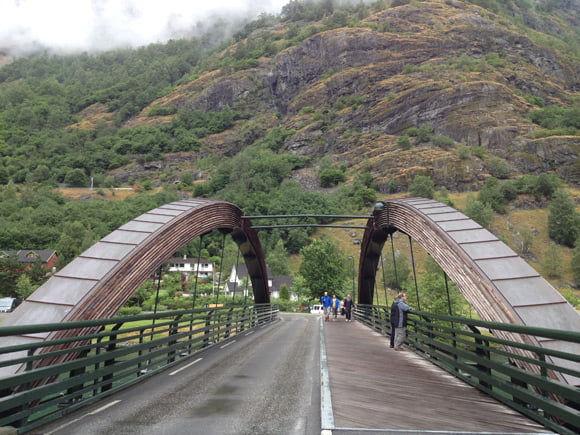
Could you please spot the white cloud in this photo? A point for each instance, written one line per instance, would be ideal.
(95, 25)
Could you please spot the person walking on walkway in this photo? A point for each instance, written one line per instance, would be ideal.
(326, 305)
(335, 304)
(348, 306)
(394, 319)
(401, 329)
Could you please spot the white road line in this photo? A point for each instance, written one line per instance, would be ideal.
(326, 414)
(102, 408)
(96, 411)
(251, 332)
(185, 366)
(227, 344)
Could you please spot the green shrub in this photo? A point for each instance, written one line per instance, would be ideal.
(498, 167)
(422, 186)
(463, 152)
(162, 111)
(331, 177)
(442, 141)
(129, 311)
(421, 134)
(478, 151)
(404, 142)
(479, 212)
(495, 60)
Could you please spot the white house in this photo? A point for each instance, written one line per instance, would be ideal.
(236, 282)
(192, 266)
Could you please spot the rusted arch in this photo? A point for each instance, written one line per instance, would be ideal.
(498, 284)
(100, 280)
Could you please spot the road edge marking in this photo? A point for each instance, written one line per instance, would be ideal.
(326, 415)
(184, 367)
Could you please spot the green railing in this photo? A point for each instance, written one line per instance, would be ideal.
(523, 376)
(56, 377)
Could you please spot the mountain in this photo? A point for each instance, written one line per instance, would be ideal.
(456, 90)
(465, 77)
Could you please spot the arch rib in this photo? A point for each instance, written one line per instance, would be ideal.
(99, 281)
(499, 284)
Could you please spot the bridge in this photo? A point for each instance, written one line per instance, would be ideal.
(61, 349)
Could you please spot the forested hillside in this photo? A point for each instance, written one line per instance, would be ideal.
(322, 109)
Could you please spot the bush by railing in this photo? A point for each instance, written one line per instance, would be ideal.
(529, 379)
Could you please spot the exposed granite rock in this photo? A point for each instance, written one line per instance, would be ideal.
(408, 75)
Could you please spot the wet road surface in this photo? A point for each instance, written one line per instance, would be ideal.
(261, 382)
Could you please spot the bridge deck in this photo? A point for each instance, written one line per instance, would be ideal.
(375, 387)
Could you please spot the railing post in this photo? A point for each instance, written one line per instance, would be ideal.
(72, 374)
(109, 362)
(229, 323)
(243, 319)
(141, 371)
(206, 340)
(515, 397)
(482, 350)
(170, 345)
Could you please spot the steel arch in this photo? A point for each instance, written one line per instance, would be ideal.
(499, 285)
(100, 280)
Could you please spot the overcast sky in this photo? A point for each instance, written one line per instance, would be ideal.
(97, 25)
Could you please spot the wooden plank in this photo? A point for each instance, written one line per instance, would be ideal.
(375, 387)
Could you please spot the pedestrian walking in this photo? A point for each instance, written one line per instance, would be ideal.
(335, 304)
(348, 306)
(326, 302)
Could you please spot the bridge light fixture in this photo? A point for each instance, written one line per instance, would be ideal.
(379, 206)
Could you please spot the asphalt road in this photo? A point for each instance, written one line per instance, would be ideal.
(262, 382)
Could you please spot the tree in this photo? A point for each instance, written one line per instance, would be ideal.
(563, 220)
(323, 267)
(526, 238)
(277, 259)
(434, 292)
(9, 274)
(76, 178)
(404, 142)
(552, 261)
(497, 167)
(24, 287)
(479, 212)
(395, 274)
(284, 292)
(422, 186)
(492, 196)
(575, 263)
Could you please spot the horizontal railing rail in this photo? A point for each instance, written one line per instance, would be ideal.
(55, 377)
(525, 377)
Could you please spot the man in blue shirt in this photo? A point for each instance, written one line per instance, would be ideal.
(326, 302)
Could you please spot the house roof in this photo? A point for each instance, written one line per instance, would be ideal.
(189, 260)
(279, 281)
(29, 255)
(233, 286)
(242, 270)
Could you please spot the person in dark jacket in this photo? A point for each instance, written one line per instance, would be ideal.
(401, 328)
(394, 319)
(348, 306)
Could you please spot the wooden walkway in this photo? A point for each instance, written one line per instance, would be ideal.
(375, 387)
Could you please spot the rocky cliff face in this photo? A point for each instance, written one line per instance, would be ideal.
(351, 92)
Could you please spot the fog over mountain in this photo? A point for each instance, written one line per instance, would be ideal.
(72, 26)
